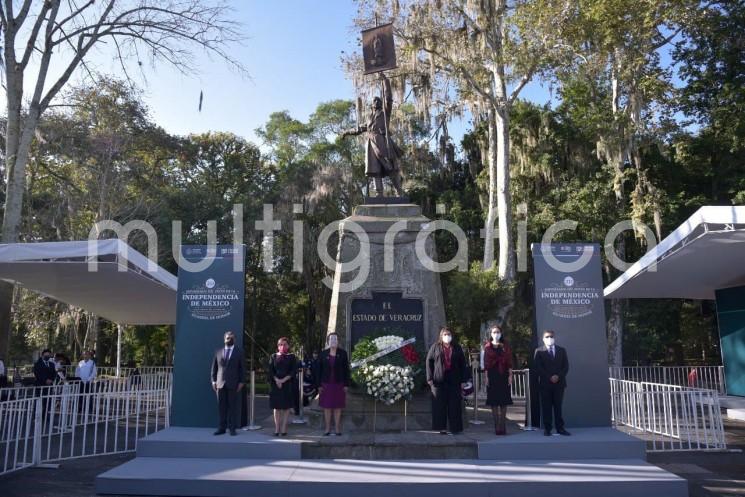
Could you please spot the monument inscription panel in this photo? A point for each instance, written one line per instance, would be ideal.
(389, 312)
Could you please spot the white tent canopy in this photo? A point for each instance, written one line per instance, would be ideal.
(704, 254)
(127, 288)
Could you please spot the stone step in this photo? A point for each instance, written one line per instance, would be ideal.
(585, 443)
(411, 478)
(201, 443)
(306, 443)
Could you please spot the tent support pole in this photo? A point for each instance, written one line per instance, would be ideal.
(118, 349)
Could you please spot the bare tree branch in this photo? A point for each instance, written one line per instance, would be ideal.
(24, 12)
(31, 43)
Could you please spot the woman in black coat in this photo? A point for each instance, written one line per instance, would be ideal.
(333, 378)
(283, 368)
(447, 373)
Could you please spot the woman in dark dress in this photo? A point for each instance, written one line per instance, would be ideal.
(497, 363)
(447, 373)
(332, 381)
(282, 368)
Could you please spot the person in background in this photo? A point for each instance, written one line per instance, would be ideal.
(45, 369)
(227, 382)
(282, 369)
(135, 379)
(447, 373)
(45, 374)
(86, 371)
(333, 381)
(3, 375)
(59, 366)
(552, 365)
(496, 361)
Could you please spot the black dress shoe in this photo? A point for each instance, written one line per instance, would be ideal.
(233, 433)
(547, 433)
(219, 432)
(563, 432)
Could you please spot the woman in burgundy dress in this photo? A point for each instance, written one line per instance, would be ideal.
(332, 380)
(496, 361)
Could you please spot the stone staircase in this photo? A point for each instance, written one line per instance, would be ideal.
(192, 462)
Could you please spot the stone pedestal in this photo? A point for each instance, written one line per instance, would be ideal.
(404, 296)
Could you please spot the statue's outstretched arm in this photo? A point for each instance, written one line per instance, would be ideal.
(354, 132)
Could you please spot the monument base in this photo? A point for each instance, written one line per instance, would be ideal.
(394, 291)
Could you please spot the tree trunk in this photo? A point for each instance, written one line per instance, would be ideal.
(617, 159)
(504, 198)
(491, 208)
(615, 333)
(14, 98)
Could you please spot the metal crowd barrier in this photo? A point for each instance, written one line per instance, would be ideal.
(46, 424)
(707, 377)
(669, 417)
(27, 370)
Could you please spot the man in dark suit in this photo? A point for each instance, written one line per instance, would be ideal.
(227, 382)
(45, 371)
(552, 365)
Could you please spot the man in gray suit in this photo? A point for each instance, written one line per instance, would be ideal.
(227, 382)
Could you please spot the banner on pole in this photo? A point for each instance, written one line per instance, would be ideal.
(569, 300)
(211, 292)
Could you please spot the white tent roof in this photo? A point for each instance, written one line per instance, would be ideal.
(705, 253)
(127, 288)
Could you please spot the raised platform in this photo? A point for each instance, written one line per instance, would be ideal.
(343, 477)
(585, 443)
(192, 461)
(735, 407)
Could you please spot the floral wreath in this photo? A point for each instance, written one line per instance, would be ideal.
(394, 375)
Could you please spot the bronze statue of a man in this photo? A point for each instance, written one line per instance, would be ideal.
(381, 153)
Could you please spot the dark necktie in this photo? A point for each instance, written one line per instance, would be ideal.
(226, 354)
(552, 353)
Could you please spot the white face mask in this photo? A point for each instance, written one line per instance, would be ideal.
(333, 341)
(549, 341)
(496, 336)
(447, 338)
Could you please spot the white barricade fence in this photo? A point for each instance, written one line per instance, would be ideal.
(670, 417)
(706, 377)
(70, 420)
(27, 371)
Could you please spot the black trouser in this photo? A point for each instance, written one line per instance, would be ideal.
(86, 389)
(447, 405)
(551, 398)
(44, 394)
(227, 404)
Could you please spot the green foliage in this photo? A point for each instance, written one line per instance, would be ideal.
(105, 158)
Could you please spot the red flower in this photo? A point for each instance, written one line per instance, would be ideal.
(410, 354)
